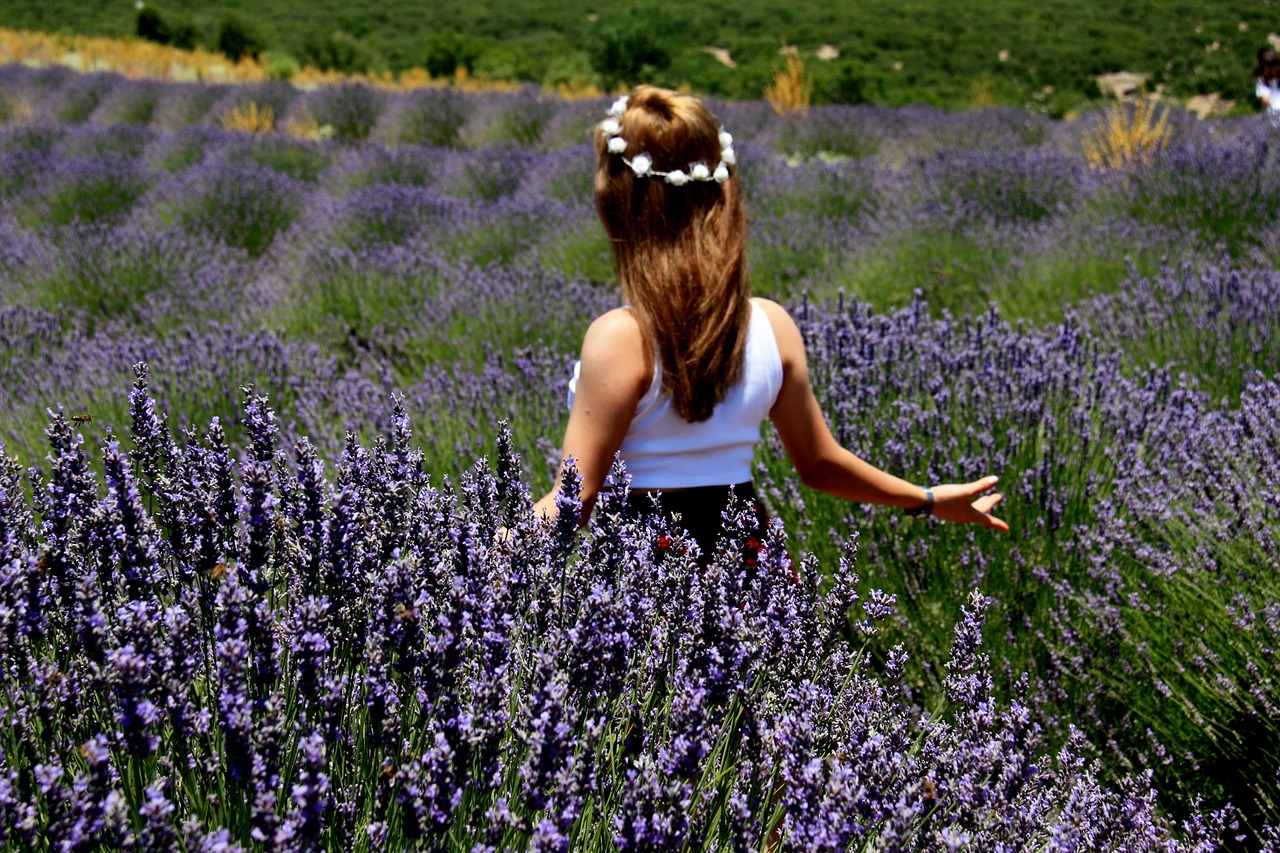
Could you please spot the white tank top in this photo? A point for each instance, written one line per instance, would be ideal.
(664, 451)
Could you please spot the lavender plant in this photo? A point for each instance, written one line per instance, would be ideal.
(126, 276)
(202, 634)
(352, 110)
(85, 189)
(274, 95)
(135, 104)
(81, 94)
(1225, 194)
(434, 118)
(1122, 389)
(240, 205)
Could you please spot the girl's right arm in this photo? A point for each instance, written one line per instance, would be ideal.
(613, 376)
(823, 464)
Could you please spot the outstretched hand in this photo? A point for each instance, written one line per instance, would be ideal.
(965, 503)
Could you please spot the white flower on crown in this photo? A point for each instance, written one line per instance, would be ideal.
(642, 164)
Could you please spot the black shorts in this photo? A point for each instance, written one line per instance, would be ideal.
(700, 512)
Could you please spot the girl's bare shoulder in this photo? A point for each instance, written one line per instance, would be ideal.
(613, 332)
(785, 331)
(613, 347)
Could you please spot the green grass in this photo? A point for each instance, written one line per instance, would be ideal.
(966, 271)
(581, 252)
(955, 272)
(302, 161)
(88, 197)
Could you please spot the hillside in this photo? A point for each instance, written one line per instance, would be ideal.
(1041, 55)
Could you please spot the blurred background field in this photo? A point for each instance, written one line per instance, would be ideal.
(993, 290)
(1045, 57)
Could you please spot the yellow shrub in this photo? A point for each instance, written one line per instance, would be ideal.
(250, 118)
(982, 93)
(418, 78)
(790, 90)
(305, 126)
(463, 80)
(137, 59)
(577, 89)
(1127, 137)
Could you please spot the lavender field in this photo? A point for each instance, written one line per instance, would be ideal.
(270, 403)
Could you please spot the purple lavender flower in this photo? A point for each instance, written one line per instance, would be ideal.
(337, 602)
(302, 829)
(158, 833)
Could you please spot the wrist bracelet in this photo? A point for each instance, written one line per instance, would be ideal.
(927, 509)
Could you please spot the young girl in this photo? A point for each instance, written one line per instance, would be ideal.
(681, 378)
(1267, 75)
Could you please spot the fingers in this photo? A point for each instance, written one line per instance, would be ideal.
(988, 520)
(966, 504)
(977, 487)
(983, 507)
(985, 503)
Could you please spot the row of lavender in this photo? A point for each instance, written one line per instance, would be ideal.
(1020, 225)
(1139, 592)
(113, 214)
(1142, 500)
(1139, 505)
(220, 655)
(357, 113)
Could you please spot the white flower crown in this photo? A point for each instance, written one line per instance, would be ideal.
(642, 164)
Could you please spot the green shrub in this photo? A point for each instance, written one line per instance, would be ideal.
(339, 50)
(280, 65)
(847, 81)
(447, 51)
(504, 62)
(238, 38)
(631, 46)
(153, 26)
(569, 68)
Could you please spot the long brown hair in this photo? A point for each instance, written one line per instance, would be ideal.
(1268, 67)
(679, 249)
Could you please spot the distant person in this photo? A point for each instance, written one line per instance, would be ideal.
(1267, 73)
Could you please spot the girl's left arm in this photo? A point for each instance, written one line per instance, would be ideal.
(823, 464)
